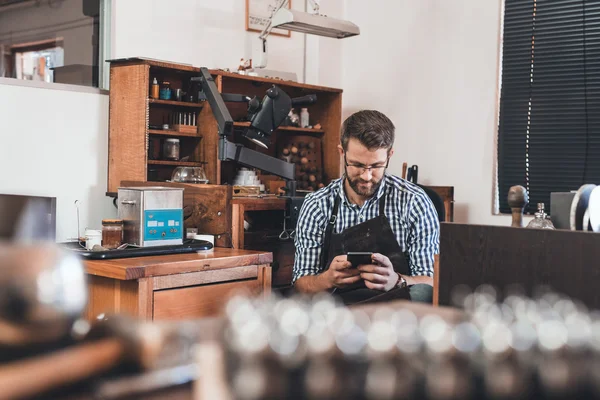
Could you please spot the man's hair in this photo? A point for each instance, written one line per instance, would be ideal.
(372, 129)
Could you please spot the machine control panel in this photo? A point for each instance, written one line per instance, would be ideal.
(163, 224)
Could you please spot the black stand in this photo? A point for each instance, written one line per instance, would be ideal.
(264, 117)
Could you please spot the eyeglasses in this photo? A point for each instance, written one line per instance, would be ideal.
(362, 168)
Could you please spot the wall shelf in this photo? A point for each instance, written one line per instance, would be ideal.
(176, 163)
(172, 133)
(175, 103)
(287, 128)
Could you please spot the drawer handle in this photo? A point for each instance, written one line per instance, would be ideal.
(128, 202)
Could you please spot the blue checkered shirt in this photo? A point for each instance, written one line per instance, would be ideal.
(411, 213)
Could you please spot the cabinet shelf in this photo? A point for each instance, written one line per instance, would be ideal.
(175, 103)
(287, 128)
(172, 133)
(176, 163)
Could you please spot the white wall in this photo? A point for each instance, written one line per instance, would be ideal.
(64, 19)
(432, 67)
(324, 55)
(55, 143)
(199, 32)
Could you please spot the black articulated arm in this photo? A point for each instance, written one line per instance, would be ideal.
(254, 159)
(219, 109)
(229, 151)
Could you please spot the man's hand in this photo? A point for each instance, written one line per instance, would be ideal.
(380, 275)
(340, 273)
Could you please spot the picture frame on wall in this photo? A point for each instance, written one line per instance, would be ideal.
(258, 13)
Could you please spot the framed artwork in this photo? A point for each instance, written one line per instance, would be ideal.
(258, 13)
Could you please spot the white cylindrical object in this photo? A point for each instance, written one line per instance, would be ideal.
(304, 118)
(208, 238)
(93, 237)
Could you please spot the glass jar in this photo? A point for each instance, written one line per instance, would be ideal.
(171, 149)
(189, 175)
(541, 220)
(112, 233)
(165, 91)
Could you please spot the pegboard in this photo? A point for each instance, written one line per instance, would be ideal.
(309, 174)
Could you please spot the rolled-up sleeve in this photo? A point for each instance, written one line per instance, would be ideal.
(424, 239)
(309, 239)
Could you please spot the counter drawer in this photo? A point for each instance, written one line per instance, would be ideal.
(198, 301)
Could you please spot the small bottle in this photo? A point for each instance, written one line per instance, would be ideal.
(541, 220)
(154, 90)
(304, 118)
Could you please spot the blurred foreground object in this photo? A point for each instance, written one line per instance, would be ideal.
(147, 356)
(42, 292)
(517, 347)
(27, 218)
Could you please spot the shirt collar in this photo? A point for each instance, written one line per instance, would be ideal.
(377, 196)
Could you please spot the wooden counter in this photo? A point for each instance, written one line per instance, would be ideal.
(503, 256)
(178, 286)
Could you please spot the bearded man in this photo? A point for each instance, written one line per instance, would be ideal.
(390, 220)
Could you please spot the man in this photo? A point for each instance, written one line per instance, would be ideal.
(371, 211)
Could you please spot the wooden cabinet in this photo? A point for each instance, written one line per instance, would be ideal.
(179, 286)
(136, 133)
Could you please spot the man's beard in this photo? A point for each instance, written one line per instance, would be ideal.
(358, 185)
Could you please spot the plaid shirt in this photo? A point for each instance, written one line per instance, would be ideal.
(411, 213)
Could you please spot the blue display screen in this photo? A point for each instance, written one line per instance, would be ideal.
(163, 224)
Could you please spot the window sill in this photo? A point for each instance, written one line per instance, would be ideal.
(53, 86)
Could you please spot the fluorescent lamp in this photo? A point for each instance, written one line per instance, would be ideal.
(313, 24)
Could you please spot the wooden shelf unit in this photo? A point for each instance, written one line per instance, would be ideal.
(132, 111)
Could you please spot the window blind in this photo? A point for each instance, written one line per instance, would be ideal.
(549, 123)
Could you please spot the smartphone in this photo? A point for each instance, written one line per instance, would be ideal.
(357, 258)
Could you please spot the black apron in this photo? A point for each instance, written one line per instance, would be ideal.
(374, 235)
